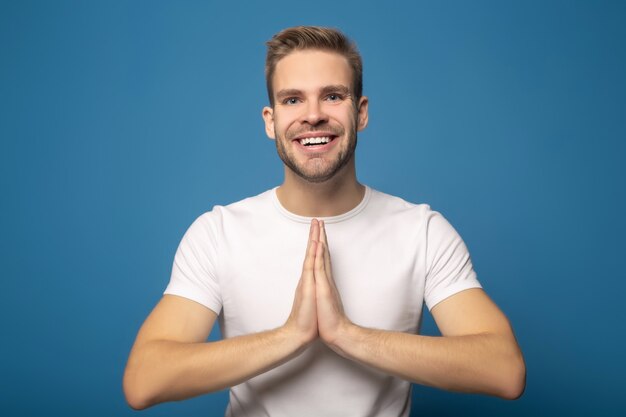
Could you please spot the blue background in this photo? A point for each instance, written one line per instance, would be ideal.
(121, 122)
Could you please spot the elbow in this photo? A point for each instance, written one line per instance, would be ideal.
(515, 383)
(136, 403)
(514, 391)
(135, 392)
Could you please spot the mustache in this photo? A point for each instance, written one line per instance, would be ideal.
(336, 131)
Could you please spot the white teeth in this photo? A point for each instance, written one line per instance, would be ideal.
(315, 141)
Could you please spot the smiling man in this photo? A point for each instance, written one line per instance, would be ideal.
(309, 115)
(319, 284)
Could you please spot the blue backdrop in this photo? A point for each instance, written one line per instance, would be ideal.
(121, 122)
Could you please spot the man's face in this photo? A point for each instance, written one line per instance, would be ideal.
(315, 119)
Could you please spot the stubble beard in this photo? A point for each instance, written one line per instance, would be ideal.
(322, 171)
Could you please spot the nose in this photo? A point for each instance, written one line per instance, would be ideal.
(314, 113)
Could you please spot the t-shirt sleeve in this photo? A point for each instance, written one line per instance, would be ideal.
(448, 263)
(194, 272)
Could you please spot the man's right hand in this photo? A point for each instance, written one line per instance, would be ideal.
(303, 318)
(171, 359)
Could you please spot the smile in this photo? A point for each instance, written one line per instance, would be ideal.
(322, 140)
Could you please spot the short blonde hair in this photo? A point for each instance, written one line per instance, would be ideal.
(299, 38)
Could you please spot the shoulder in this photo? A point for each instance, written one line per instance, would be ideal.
(250, 206)
(207, 232)
(223, 219)
(398, 214)
(390, 206)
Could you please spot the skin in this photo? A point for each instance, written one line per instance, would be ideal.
(305, 101)
(171, 359)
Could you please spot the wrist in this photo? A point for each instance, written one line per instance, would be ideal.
(295, 336)
(344, 340)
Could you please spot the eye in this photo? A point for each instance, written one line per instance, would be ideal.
(291, 101)
(334, 97)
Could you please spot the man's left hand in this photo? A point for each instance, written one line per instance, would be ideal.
(331, 319)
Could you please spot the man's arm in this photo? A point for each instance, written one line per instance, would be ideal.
(476, 353)
(171, 359)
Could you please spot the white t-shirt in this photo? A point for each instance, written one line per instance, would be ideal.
(244, 260)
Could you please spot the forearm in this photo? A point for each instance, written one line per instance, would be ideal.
(162, 370)
(482, 363)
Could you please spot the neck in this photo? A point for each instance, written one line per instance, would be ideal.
(336, 196)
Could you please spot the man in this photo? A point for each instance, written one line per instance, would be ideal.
(337, 333)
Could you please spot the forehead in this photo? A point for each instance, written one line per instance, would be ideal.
(311, 69)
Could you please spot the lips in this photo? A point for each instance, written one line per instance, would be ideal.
(316, 143)
(316, 140)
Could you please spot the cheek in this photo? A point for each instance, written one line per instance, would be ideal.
(283, 121)
(347, 116)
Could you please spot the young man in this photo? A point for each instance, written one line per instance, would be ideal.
(337, 333)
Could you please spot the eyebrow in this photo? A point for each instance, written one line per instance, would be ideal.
(341, 89)
(287, 93)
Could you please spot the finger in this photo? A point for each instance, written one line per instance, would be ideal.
(308, 273)
(315, 224)
(321, 276)
(324, 240)
(311, 247)
(327, 266)
(311, 236)
(319, 257)
(313, 231)
(323, 233)
(309, 259)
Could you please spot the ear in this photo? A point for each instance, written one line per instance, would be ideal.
(268, 118)
(362, 115)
